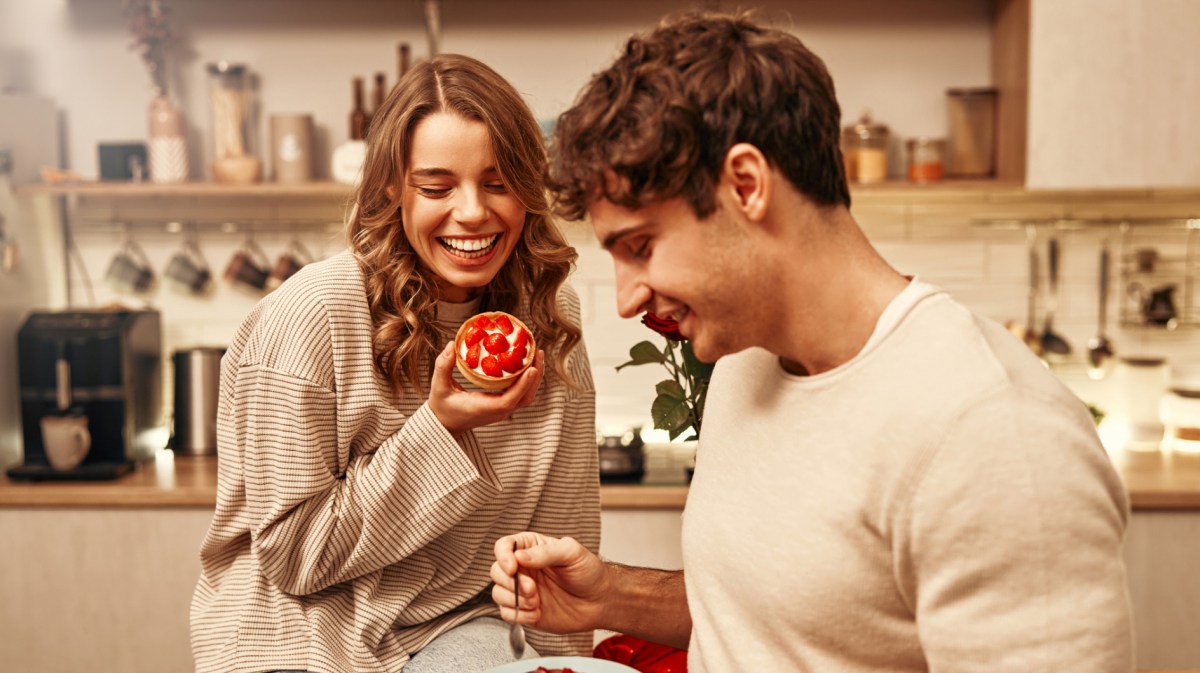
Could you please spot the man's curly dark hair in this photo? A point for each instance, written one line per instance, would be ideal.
(659, 121)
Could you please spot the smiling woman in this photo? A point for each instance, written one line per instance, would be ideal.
(458, 214)
(354, 507)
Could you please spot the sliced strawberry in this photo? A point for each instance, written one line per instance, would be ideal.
(521, 339)
(520, 352)
(491, 366)
(474, 335)
(473, 356)
(504, 324)
(484, 323)
(496, 343)
(511, 361)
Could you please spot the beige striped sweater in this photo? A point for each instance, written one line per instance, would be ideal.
(352, 529)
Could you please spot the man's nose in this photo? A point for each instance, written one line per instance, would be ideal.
(633, 295)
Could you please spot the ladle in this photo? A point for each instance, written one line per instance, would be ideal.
(1052, 342)
(1100, 348)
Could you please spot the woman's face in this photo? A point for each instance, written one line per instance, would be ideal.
(458, 214)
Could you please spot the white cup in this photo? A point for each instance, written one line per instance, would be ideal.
(66, 440)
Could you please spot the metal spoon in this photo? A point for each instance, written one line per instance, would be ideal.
(516, 632)
(1051, 341)
(1099, 347)
(1031, 338)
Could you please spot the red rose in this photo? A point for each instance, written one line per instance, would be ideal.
(664, 326)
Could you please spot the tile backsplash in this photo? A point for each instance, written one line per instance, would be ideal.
(986, 268)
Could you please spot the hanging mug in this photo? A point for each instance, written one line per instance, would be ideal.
(290, 261)
(188, 270)
(129, 271)
(8, 250)
(249, 267)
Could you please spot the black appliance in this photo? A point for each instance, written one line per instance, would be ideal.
(622, 457)
(105, 365)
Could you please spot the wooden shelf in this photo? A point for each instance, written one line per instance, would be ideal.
(144, 190)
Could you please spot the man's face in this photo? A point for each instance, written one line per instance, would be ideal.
(672, 264)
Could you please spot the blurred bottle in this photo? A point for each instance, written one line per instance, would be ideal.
(378, 94)
(404, 56)
(348, 158)
(359, 117)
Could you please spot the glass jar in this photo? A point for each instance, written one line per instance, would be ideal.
(1180, 410)
(865, 150)
(1142, 382)
(233, 127)
(925, 159)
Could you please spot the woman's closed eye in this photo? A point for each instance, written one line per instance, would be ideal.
(431, 191)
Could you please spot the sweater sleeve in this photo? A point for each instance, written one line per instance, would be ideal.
(570, 502)
(317, 526)
(1010, 556)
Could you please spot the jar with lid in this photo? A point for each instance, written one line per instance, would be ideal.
(925, 163)
(865, 150)
(972, 116)
(1180, 410)
(1142, 382)
(233, 114)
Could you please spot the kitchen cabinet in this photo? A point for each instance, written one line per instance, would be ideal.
(99, 576)
(1112, 92)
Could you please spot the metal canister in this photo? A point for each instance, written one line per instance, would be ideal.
(197, 384)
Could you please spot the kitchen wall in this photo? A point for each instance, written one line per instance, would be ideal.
(1129, 118)
(895, 58)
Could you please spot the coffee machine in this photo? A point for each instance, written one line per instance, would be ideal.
(105, 366)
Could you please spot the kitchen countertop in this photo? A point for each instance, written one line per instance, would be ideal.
(1156, 481)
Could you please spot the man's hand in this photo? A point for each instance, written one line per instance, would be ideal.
(562, 584)
(460, 410)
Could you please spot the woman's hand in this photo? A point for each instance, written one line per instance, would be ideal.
(460, 410)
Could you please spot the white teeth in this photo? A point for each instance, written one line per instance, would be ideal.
(470, 247)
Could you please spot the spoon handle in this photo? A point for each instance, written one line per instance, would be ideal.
(1103, 288)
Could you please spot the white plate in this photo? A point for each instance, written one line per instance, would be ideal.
(577, 664)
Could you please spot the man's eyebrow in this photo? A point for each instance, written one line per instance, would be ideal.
(615, 237)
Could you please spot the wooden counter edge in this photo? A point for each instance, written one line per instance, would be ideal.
(637, 496)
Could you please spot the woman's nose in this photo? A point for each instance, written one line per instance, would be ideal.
(469, 207)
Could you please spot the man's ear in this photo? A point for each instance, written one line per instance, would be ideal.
(748, 175)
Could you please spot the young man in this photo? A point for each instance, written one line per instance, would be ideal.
(885, 481)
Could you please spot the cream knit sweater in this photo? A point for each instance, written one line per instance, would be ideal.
(351, 529)
(939, 503)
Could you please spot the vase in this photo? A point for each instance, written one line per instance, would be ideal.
(168, 142)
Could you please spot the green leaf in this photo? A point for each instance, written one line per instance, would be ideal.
(643, 352)
(670, 388)
(670, 413)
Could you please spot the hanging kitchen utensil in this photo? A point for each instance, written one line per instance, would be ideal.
(1031, 338)
(1052, 342)
(1100, 348)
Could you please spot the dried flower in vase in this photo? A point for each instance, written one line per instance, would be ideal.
(152, 37)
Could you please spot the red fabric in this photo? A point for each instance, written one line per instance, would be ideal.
(643, 655)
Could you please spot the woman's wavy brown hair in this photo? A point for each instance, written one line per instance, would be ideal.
(401, 292)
